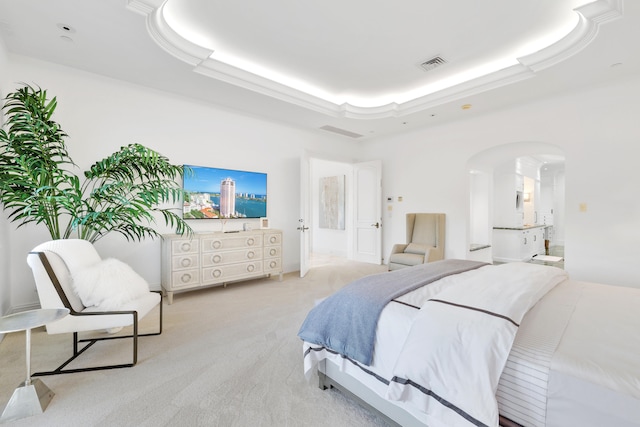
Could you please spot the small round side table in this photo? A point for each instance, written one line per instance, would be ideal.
(31, 397)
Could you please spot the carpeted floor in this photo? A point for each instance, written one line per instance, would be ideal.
(227, 357)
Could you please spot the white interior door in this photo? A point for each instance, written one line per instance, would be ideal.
(367, 189)
(305, 218)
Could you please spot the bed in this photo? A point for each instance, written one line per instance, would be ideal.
(463, 343)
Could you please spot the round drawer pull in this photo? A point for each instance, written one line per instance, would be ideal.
(273, 264)
(251, 241)
(216, 244)
(272, 252)
(250, 268)
(185, 262)
(186, 277)
(273, 239)
(251, 254)
(185, 247)
(216, 273)
(216, 259)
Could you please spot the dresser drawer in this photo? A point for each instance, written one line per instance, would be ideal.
(272, 251)
(273, 265)
(229, 272)
(180, 247)
(184, 262)
(210, 244)
(272, 239)
(185, 278)
(230, 257)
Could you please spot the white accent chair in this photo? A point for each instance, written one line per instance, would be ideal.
(425, 241)
(53, 264)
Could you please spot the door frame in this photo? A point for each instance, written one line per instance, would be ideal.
(306, 211)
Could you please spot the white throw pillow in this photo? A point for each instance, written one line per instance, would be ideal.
(108, 284)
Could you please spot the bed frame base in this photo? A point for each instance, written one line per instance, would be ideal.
(328, 383)
(330, 376)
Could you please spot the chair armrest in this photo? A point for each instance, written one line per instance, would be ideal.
(433, 254)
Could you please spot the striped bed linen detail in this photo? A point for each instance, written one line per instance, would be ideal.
(522, 390)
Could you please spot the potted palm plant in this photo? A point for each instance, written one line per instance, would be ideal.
(124, 192)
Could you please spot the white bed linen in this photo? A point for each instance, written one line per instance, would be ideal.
(595, 372)
(571, 399)
(393, 327)
(453, 357)
(523, 387)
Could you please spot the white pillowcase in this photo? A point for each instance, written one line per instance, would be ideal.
(108, 284)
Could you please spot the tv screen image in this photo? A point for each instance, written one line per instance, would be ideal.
(223, 193)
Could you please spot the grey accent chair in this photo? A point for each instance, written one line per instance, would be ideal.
(425, 241)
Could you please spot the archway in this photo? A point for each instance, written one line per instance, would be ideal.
(519, 188)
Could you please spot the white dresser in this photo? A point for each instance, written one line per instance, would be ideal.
(218, 258)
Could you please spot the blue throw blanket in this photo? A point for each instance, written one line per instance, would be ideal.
(346, 321)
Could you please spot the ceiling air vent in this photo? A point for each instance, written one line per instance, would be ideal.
(341, 131)
(433, 63)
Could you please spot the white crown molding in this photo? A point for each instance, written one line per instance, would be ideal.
(591, 16)
(165, 37)
(228, 73)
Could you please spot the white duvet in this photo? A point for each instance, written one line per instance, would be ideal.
(593, 374)
(452, 359)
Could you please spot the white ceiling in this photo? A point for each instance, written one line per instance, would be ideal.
(352, 66)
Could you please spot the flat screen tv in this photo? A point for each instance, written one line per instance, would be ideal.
(223, 193)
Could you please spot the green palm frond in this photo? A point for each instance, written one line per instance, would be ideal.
(120, 193)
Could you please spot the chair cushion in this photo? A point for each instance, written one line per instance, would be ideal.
(142, 305)
(76, 253)
(416, 248)
(108, 284)
(407, 259)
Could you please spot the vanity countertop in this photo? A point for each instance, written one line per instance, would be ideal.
(524, 227)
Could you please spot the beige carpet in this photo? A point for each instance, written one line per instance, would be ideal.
(227, 357)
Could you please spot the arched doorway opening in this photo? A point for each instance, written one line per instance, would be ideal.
(516, 203)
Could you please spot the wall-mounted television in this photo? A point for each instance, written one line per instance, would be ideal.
(223, 193)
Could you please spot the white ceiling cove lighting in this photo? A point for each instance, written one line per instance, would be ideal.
(370, 73)
(355, 65)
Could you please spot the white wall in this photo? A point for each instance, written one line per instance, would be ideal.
(552, 199)
(5, 284)
(102, 114)
(324, 240)
(597, 131)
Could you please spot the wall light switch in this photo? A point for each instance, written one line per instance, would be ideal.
(583, 207)
(399, 198)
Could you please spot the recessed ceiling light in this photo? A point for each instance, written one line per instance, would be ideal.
(66, 28)
(617, 64)
(466, 107)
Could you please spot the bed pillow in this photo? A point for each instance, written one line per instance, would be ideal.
(108, 284)
(416, 248)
